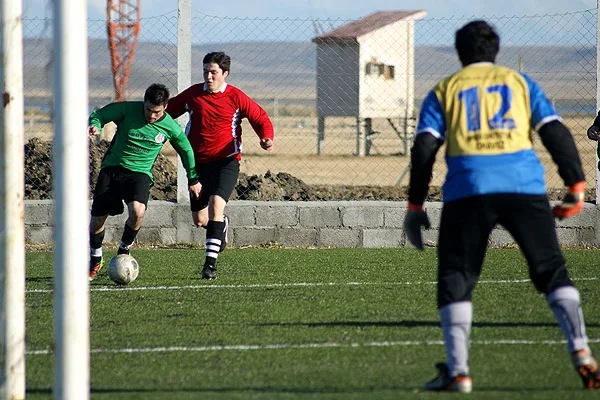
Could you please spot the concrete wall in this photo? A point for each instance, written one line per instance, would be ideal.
(368, 224)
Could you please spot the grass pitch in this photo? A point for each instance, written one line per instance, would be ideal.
(309, 324)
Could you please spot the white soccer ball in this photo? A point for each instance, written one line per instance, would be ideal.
(123, 269)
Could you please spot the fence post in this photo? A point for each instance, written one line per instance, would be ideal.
(320, 134)
(361, 138)
(184, 80)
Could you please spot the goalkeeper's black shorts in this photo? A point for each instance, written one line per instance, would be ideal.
(465, 229)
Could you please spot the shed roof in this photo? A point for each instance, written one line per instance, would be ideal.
(350, 32)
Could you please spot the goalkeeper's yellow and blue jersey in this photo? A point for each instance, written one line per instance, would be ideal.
(485, 114)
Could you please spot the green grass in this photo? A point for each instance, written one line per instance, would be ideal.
(309, 324)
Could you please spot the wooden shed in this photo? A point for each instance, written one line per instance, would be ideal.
(365, 69)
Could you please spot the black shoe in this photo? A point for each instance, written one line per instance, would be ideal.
(209, 272)
(225, 233)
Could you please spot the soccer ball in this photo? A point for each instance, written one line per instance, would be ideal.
(123, 269)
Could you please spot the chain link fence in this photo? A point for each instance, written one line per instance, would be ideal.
(279, 63)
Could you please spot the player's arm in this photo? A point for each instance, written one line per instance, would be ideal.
(422, 158)
(259, 120)
(176, 106)
(557, 139)
(428, 140)
(113, 112)
(560, 144)
(182, 146)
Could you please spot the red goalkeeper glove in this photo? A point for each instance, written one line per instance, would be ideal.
(572, 203)
(414, 220)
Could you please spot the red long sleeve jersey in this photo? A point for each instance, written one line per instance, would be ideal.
(215, 126)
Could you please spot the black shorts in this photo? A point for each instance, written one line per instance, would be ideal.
(217, 178)
(116, 185)
(465, 228)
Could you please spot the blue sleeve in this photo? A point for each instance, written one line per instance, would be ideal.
(431, 117)
(542, 110)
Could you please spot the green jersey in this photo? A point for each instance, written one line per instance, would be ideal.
(137, 142)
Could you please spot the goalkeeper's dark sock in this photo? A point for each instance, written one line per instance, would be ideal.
(214, 237)
(565, 304)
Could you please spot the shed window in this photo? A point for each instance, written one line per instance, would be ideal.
(389, 72)
(380, 69)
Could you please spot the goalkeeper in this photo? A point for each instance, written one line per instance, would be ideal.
(485, 115)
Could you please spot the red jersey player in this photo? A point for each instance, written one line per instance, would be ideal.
(216, 110)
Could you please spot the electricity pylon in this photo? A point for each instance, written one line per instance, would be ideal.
(123, 26)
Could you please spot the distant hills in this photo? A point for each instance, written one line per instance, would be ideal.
(287, 70)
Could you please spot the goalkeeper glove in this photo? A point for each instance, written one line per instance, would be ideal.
(414, 220)
(572, 203)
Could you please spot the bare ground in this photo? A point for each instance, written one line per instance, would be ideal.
(280, 186)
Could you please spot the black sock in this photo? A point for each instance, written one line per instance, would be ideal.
(96, 240)
(214, 237)
(127, 239)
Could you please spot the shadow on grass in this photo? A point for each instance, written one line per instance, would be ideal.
(238, 390)
(40, 279)
(417, 324)
(316, 391)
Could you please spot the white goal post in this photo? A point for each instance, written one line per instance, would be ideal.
(71, 202)
(12, 204)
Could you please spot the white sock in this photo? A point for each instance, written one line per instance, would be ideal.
(565, 304)
(96, 252)
(456, 319)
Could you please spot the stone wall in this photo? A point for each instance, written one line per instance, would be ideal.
(352, 224)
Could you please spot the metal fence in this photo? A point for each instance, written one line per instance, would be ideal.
(276, 62)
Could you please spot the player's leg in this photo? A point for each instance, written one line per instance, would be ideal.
(106, 202)
(464, 230)
(225, 179)
(132, 226)
(199, 205)
(135, 189)
(531, 222)
(96, 239)
(228, 178)
(214, 237)
(207, 175)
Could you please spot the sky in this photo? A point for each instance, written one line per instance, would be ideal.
(329, 14)
(332, 9)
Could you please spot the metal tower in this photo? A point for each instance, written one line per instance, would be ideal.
(123, 26)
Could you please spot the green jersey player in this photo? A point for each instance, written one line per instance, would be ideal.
(143, 127)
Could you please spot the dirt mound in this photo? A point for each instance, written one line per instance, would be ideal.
(268, 187)
(281, 186)
(38, 171)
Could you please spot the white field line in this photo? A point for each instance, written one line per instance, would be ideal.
(242, 347)
(284, 285)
